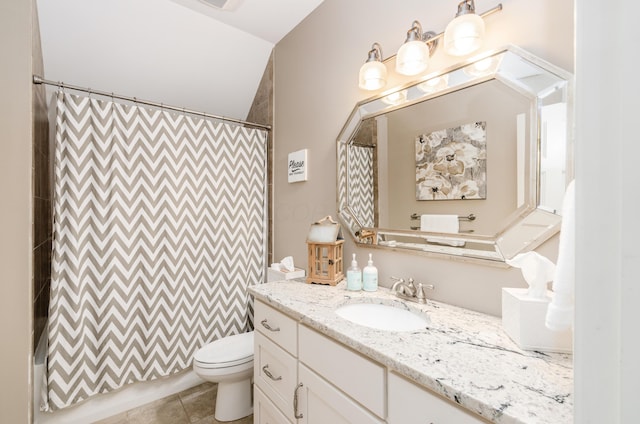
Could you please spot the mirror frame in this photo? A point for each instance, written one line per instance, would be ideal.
(526, 228)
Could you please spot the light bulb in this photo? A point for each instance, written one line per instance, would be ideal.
(373, 75)
(464, 34)
(434, 84)
(396, 98)
(412, 57)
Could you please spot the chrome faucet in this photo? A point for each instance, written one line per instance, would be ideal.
(409, 291)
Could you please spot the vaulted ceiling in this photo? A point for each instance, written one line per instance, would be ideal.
(179, 52)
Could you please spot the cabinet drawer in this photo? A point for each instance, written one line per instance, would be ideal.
(265, 412)
(360, 378)
(275, 373)
(410, 403)
(276, 326)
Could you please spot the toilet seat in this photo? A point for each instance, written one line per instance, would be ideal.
(226, 352)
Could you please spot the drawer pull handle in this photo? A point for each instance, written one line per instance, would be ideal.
(265, 369)
(295, 402)
(268, 327)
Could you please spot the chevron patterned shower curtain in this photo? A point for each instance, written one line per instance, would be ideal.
(160, 227)
(361, 184)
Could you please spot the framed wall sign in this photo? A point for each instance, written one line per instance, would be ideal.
(297, 166)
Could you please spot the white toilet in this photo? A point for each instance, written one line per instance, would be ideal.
(228, 362)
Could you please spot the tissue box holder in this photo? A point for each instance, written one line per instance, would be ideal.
(276, 275)
(523, 320)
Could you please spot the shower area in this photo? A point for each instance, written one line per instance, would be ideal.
(158, 222)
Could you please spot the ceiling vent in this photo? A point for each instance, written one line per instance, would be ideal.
(223, 4)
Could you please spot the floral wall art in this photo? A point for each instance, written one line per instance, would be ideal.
(451, 164)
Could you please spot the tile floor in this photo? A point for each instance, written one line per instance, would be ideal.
(193, 406)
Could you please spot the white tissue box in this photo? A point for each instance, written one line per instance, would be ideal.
(523, 320)
(275, 275)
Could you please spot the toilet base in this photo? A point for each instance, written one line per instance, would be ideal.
(234, 400)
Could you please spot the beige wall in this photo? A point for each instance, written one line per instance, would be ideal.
(316, 70)
(15, 210)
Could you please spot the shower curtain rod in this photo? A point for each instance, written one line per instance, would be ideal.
(39, 80)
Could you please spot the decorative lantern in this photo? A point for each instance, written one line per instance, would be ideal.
(325, 263)
(324, 245)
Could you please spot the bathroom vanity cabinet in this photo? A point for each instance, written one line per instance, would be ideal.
(304, 377)
(288, 383)
(461, 367)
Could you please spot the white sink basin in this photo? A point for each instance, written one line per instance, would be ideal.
(382, 317)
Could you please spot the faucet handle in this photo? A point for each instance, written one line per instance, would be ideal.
(420, 294)
(397, 279)
(427, 286)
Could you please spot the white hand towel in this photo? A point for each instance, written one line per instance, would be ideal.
(560, 310)
(441, 224)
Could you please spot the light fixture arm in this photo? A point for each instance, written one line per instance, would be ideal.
(467, 6)
(375, 54)
(430, 38)
(415, 32)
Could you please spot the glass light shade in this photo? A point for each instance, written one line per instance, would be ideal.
(482, 67)
(464, 35)
(395, 98)
(434, 84)
(412, 58)
(373, 75)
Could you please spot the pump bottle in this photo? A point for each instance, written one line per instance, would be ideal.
(370, 276)
(354, 276)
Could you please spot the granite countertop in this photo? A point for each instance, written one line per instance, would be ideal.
(462, 355)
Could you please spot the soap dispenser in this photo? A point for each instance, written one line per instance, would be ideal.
(354, 276)
(370, 276)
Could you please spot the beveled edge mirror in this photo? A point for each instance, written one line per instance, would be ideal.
(535, 219)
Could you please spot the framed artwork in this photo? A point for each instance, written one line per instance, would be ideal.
(451, 164)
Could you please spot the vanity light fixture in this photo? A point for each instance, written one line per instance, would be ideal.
(462, 36)
(464, 33)
(413, 56)
(373, 74)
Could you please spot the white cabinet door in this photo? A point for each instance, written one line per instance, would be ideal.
(410, 403)
(359, 377)
(265, 412)
(318, 402)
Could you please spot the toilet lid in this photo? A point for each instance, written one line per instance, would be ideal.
(227, 351)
